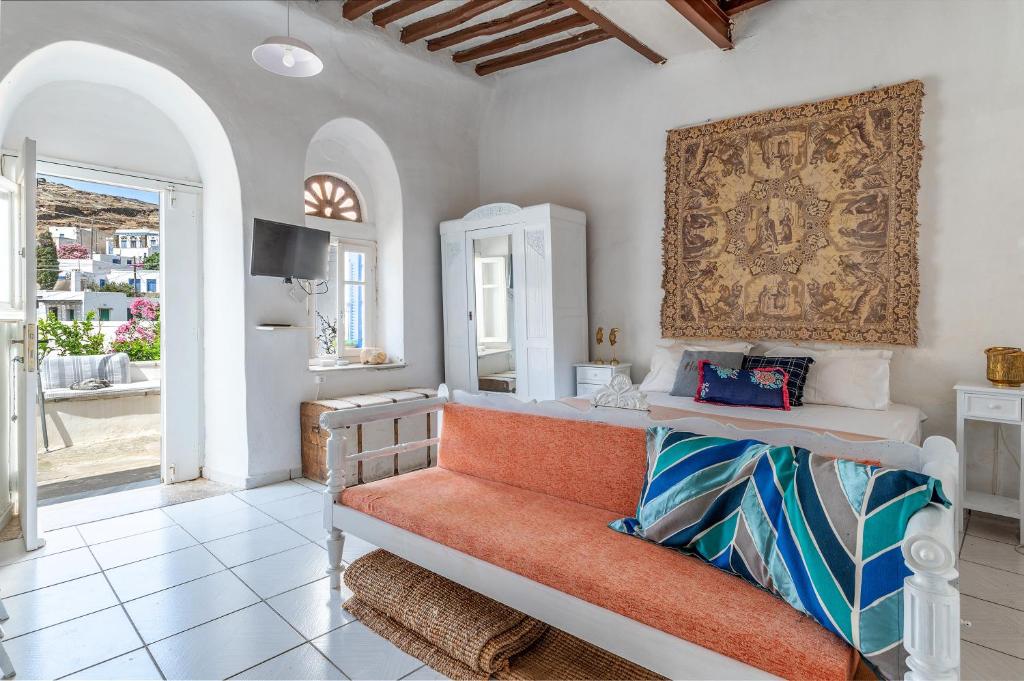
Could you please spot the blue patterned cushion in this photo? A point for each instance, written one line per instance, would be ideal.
(822, 534)
(765, 388)
(796, 370)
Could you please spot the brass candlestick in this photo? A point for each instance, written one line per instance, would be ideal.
(613, 338)
(599, 337)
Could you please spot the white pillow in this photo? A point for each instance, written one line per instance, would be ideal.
(846, 377)
(669, 353)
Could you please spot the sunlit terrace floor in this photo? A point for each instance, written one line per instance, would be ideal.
(98, 467)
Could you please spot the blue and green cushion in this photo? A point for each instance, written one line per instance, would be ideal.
(821, 533)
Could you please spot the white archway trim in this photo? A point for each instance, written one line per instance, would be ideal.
(382, 203)
(224, 403)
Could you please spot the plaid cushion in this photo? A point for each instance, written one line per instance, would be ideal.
(795, 367)
(60, 371)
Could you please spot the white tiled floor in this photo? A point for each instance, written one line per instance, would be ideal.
(234, 586)
(210, 589)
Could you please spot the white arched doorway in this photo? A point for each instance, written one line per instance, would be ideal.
(196, 401)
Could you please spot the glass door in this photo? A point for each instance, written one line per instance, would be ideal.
(18, 333)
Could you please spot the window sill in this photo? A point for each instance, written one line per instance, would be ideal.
(356, 366)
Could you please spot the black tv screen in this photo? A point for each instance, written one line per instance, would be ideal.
(281, 250)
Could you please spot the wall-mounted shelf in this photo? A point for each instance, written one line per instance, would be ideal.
(281, 327)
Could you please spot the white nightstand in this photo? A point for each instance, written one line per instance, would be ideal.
(591, 377)
(983, 401)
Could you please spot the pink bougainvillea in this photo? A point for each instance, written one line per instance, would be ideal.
(140, 335)
(145, 308)
(73, 252)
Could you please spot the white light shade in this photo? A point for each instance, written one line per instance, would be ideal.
(287, 56)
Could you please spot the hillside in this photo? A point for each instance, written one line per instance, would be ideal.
(61, 205)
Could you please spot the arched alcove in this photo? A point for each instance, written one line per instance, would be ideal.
(351, 149)
(222, 392)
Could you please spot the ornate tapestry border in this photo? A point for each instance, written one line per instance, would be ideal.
(901, 327)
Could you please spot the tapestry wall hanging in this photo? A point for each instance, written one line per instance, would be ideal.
(798, 223)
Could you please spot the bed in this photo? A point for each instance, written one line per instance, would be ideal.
(900, 422)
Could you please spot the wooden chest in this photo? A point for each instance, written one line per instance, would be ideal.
(368, 436)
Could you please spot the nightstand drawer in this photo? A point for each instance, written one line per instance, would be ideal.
(597, 375)
(979, 405)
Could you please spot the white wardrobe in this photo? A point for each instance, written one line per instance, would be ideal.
(515, 300)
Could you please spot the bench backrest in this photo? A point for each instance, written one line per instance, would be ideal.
(596, 464)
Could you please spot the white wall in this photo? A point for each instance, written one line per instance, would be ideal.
(101, 125)
(427, 113)
(588, 131)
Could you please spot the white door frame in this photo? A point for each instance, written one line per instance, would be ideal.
(19, 309)
(181, 283)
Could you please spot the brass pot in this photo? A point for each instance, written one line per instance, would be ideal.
(1005, 366)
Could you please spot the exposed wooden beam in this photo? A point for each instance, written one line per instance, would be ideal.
(709, 19)
(614, 29)
(732, 7)
(399, 10)
(541, 10)
(542, 52)
(449, 19)
(353, 9)
(529, 35)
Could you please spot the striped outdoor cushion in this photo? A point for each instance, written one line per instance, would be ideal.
(60, 371)
(823, 534)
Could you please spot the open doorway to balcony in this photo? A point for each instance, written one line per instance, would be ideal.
(99, 310)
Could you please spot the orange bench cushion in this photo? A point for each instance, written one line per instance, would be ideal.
(596, 464)
(568, 546)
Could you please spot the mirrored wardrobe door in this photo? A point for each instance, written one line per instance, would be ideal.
(493, 297)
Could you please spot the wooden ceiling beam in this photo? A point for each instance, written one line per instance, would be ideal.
(543, 52)
(709, 19)
(353, 9)
(450, 19)
(614, 30)
(522, 37)
(541, 10)
(399, 10)
(732, 7)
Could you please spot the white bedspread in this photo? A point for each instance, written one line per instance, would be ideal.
(899, 422)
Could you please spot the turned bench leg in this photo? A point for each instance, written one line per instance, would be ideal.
(337, 447)
(6, 666)
(335, 545)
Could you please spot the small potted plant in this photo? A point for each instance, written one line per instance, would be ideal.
(326, 340)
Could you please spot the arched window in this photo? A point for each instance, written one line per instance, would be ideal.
(327, 196)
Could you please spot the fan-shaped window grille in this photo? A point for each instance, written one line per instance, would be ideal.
(327, 196)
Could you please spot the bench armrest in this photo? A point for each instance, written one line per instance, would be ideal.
(339, 425)
(931, 622)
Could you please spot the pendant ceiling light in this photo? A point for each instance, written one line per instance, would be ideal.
(287, 56)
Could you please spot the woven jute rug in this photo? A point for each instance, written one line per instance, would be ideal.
(465, 635)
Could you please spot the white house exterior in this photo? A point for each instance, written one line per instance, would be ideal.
(134, 244)
(69, 306)
(69, 234)
(103, 269)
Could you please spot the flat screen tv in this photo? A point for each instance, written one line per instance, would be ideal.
(281, 250)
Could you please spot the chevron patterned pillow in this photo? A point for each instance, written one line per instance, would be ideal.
(823, 534)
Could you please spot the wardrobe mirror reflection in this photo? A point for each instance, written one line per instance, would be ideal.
(495, 314)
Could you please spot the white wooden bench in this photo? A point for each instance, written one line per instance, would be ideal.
(931, 602)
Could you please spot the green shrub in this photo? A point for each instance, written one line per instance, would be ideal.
(70, 338)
